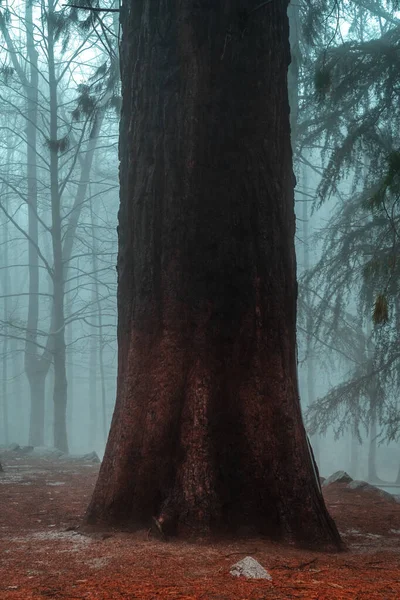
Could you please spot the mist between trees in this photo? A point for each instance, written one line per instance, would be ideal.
(59, 201)
(60, 103)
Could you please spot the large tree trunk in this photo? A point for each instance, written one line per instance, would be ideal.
(207, 428)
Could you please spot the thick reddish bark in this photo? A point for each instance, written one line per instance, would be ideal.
(207, 427)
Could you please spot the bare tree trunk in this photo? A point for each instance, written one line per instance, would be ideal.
(354, 457)
(19, 401)
(37, 382)
(93, 404)
(60, 375)
(99, 344)
(104, 421)
(4, 385)
(6, 316)
(372, 472)
(36, 367)
(70, 375)
(207, 431)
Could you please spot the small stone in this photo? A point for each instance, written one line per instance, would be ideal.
(358, 484)
(365, 486)
(13, 447)
(90, 457)
(386, 495)
(250, 568)
(337, 477)
(47, 452)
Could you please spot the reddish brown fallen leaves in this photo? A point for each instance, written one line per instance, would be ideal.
(43, 555)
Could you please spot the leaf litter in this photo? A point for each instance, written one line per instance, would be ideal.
(44, 553)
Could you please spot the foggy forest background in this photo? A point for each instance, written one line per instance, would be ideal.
(59, 119)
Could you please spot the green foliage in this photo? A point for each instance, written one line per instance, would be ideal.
(322, 82)
(313, 21)
(58, 24)
(100, 71)
(60, 145)
(87, 24)
(116, 103)
(392, 179)
(86, 104)
(351, 113)
(5, 17)
(381, 313)
(6, 72)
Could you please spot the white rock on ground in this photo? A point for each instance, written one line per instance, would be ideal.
(249, 567)
(358, 484)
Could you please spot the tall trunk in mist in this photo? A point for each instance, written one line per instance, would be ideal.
(93, 404)
(58, 321)
(102, 376)
(96, 352)
(63, 245)
(354, 454)
(19, 400)
(36, 365)
(66, 247)
(207, 425)
(309, 348)
(33, 366)
(5, 326)
(373, 399)
(5, 345)
(69, 366)
(372, 473)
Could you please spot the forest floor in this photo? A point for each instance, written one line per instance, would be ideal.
(44, 554)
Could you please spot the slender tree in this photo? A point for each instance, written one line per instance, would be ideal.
(62, 132)
(207, 431)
